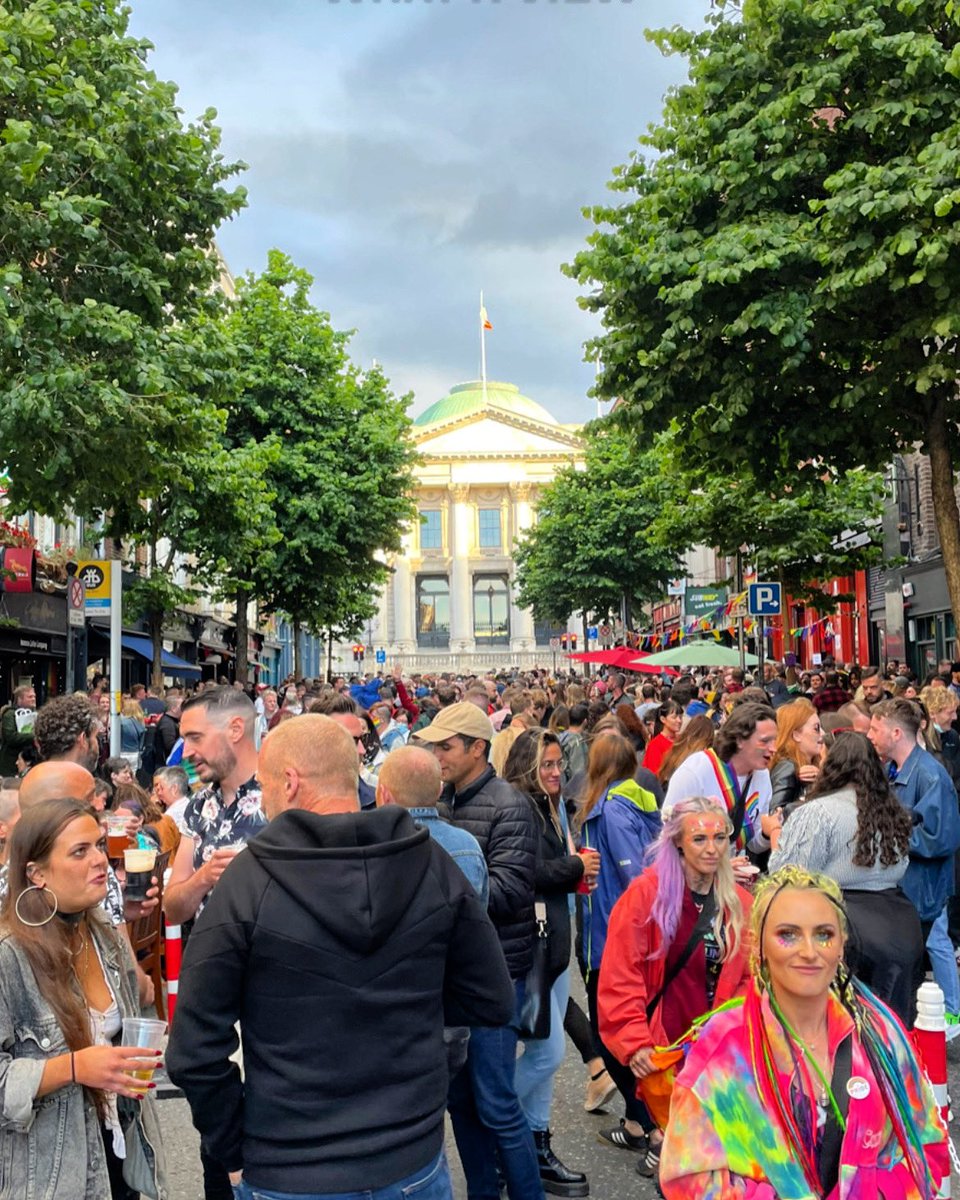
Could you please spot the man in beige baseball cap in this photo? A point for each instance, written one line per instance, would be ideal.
(484, 1108)
(464, 719)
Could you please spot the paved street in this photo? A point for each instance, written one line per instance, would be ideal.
(611, 1172)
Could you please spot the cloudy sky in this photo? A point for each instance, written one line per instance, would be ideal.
(410, 154)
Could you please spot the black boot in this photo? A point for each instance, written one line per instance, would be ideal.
(557, 1179)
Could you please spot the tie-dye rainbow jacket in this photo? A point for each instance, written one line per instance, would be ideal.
(721, 1144)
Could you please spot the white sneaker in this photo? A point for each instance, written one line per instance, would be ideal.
(953, 1026)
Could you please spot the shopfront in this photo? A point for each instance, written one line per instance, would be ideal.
(33, 644)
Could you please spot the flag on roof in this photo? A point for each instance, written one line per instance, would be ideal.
(484, 319)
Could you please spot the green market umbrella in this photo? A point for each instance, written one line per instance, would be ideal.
(699, 654)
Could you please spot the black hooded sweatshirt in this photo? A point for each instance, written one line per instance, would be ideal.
(341, 944)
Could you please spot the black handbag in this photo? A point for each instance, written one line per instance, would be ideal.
(535, 1010)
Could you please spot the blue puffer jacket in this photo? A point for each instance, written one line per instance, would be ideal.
(923, 786)
(621, 825)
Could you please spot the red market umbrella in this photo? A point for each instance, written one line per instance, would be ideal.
(622, 657)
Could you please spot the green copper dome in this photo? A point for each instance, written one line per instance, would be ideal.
(467, 398)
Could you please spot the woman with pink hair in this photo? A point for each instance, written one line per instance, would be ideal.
(675, 949)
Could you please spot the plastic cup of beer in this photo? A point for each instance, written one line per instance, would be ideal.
(138, 865)
(117, 837)
(148, 1035)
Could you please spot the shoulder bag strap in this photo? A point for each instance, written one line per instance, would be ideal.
(697, 934)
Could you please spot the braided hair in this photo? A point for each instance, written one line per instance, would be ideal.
(874, 1025)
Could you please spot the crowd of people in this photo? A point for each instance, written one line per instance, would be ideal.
(750, 876)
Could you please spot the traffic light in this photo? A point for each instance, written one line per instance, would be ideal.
(358, 653)
(573, 641)
(563, 640)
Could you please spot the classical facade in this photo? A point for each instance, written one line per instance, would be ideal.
(451, 601)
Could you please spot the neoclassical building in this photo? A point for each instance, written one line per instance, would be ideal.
(451, 601)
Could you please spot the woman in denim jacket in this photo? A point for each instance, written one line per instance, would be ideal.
(74, 1123)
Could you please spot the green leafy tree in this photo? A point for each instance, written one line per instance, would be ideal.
(779, 274)
(788, 529)
(590, 545)
(215, 512)
(343, 477)
(108, 208)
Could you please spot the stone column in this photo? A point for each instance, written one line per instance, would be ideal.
(405, 629)
(523, 638)
(461, 596)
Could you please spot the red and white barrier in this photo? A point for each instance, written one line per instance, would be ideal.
(173, 950)
(930, 1040)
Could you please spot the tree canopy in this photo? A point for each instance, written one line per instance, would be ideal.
(590, 544)
(788, 527)
(108, 207)
(342, 478)
(781, 273)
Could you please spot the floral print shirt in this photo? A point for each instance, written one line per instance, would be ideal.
(214, 825)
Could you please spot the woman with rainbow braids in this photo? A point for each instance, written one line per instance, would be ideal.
(808, 1087)
(675, 948)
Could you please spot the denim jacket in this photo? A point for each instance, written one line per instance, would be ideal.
(51, 1147)
(923, 786)
(462, 847)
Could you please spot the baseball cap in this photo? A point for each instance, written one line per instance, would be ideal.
(463, 718)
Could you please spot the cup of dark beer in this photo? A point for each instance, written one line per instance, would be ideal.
(138, 865)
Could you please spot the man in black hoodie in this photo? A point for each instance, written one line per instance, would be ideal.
(336, 930)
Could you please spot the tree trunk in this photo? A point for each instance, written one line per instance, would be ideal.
(945, 500)
(243, 635)
(329, 656)
(297, 650)
(586, 643)
(155, 622)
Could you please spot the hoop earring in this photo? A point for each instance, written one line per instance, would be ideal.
(35, 924)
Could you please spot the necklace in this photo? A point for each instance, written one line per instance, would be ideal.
(817, 1049)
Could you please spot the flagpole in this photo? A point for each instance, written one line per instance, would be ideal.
(483, 352)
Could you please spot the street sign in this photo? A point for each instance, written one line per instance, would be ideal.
(95, 577)
(593, 634)
(763, 599)
(75, 602)
(554, 643)
(381, 656)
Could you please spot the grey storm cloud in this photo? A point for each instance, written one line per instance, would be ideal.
(409, 155)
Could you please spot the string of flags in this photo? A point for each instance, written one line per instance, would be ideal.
(697, 625)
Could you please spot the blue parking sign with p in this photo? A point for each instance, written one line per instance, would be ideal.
(381, 656)
(763, 599)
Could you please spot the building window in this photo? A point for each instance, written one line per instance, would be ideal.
(489, 529)
(433, 610)
(491, 610)
(431, 529)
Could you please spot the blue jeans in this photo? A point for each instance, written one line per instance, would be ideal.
(541, 1060)
(944, 963)
(431, 1182)
(488, 1122)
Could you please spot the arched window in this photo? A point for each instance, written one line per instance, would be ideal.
(491, 610)
(433, 611)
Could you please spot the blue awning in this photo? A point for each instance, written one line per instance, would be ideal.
(171, 663)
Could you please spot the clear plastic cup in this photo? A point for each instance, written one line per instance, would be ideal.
(148, 1034)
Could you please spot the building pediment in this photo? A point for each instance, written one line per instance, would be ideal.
(493, 431)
